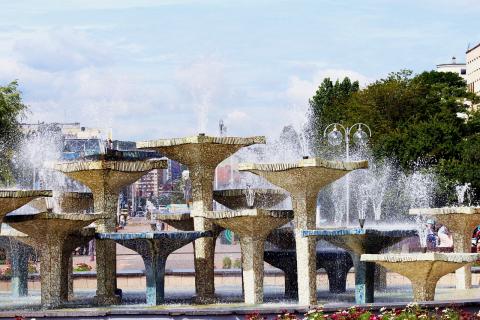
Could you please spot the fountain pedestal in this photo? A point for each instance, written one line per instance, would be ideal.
(358, 242)
(48, 233)
(154, 247)
(303, 180)
(201, 154)
(461, 221)
(253, 227)
(105, 178)
(422, 269)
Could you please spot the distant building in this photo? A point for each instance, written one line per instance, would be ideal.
(149, 185)
(458, 68)
(473, 69)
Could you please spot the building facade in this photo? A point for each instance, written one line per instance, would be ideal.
(473, 69)
(458, 68)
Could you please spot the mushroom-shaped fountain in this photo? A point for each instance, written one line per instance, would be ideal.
(422, 269)
(303, 180)
(359, 241)
(460, 221)
(201, 154)
(154, 247)
(253, 227)
(13, 199)
(49, 232)
(106, 175)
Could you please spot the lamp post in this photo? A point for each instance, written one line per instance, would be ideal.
(335, 138)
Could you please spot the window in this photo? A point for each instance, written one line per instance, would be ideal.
(463, 71)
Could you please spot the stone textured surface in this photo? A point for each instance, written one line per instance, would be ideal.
(65, 202)
(106, 178)
(13, 199)
(422, 269)
(49, 232)
(461, 221)
(237, 198)
(252, 226)
(180, 221)
(201, 154)
(360, 241)
(154, 247)
(303, 180)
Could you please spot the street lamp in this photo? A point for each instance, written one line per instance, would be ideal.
(335, 138)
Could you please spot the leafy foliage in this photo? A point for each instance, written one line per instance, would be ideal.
(415, 119)
(12, 110)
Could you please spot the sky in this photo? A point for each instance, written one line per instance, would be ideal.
(165, 68)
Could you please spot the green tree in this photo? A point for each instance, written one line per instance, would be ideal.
(415, 119)
(329, 104)
(12, 110)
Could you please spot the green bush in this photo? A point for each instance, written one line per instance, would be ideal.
(227, 263)
(82, 267)
(237, 264)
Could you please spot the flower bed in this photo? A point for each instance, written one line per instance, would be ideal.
(410, 312)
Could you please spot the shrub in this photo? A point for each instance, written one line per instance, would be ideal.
(32, 268)
(237, 264)
(227, 263)
(410, 312)
(82, 267)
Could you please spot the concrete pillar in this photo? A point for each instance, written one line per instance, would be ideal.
(462, 244)
(202, 196)
(155, 274)
(380, 282)
(303, 204)
(291, 284)
(424, 290)
(19, 264)
(52, 257)
(106, 250)
(252, 263)
(364, 280)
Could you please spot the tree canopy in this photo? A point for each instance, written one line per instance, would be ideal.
(415, 119)
(12, 109)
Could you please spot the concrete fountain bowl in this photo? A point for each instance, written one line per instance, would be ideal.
(65, 202)
(422, 269)
(237, 199)
(11, 200)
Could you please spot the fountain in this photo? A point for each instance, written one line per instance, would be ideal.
(336, 262)
(422, 269)
(303, 180)
(201, 154)
(249, 198)
(65, 202)
(253, 227)
(11, 200)
(106, 175)
(154, 247)
(460, 221)
(360, 241)
(49, 232)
